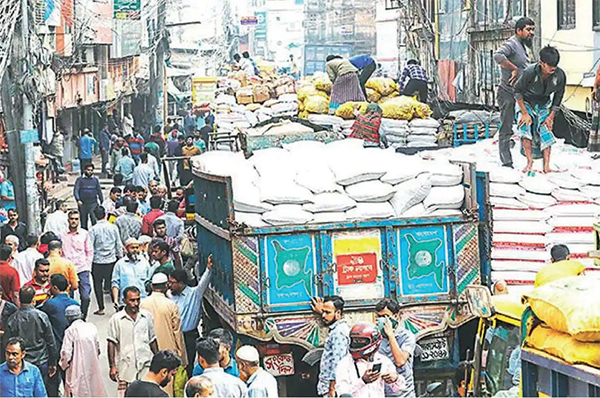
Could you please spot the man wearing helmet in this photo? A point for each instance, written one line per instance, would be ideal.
(365, 372)
(336, 346)
(398, 345)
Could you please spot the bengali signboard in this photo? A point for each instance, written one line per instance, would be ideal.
(279, 365)
(127, 9)
(357, 257)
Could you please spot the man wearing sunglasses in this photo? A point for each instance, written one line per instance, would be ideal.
(398, 345)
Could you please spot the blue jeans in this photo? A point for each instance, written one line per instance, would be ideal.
(85, 289)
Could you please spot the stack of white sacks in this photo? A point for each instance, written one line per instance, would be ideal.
(533, 213)
(418, 133)
(311, 182)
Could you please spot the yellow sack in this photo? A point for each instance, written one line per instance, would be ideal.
(382, 85)
(301, 106)
(421, 110)
(305, 92)
(346, 110)
(563, 346)
(323, 94)
(570, 305)
(317, 104)
(400, 108)
(303, 115)
(372, 95)
(383, 100)
(323, 83)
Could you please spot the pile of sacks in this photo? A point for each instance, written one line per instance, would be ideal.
(381, 89)
(313, 96)
(342, 182)
(418, 133)
(569, 309)
(533, 213)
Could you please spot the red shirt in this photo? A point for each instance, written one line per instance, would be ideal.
(148, 220)
(42, 293)
(9, 279)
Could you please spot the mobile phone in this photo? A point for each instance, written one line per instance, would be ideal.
(377, 367)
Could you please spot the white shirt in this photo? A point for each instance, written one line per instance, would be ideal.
(247, 67)
(262, 384)
(57, 222)
(24, 263)
(348, 377)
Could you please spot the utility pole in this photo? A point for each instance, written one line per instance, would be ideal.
(160, 97)
(31, 189)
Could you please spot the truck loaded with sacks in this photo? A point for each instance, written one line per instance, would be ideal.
(312, 219)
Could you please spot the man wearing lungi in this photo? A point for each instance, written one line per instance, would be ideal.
(537, 110)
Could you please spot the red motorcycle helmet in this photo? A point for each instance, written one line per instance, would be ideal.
(365, 339)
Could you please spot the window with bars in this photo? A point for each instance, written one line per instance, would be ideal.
(566, 14)
(489, 72)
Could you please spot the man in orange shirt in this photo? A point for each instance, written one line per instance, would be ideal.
(561, 267)
(40, 282)
(60, 265)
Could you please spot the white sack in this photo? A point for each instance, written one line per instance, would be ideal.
(410, 193)
(250, 219)
(276, 191)
(403, 168)
(536, 201)
(327, 218)
(429, 122)
(519, 215)
(506, 190)
(507, 203)
(445, 198)
(518, 227)
(570, 195)
(246, 198)
(287, 215)
(506, 175)
(537, 184)
(575, 209)
(370, 211)
(330, 202)
(370, 191)
(564, 180)
(317, 178)
(445, 174)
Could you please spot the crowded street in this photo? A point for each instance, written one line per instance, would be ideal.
(299, 198)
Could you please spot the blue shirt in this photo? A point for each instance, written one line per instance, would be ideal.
(86, 147)
(7, 189)
(336, 347)
(189, 303)
(105, 140)
(231, 369)
(127, 273)
(126, 166)
(407, 342)
(360, 61)
(55, 309)
(28, 383)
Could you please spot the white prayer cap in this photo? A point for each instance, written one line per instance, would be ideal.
(159, 279)
(248, 353)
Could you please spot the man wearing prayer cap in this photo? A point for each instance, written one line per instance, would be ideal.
(167, 322)
(131, 270)
(80, 357)
(260, 382)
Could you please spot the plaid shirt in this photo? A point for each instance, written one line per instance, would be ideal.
(130, 226)
(413, 72)
(336, 348)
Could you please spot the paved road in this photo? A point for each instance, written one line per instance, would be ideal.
(101, 323)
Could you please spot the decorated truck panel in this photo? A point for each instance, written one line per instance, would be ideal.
(264, 278)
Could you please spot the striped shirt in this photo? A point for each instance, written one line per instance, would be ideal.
(413, 72)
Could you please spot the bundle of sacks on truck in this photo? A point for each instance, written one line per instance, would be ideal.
(569, 310)
(311, 182)
(406, 122)
(258, 90)
(533, 213)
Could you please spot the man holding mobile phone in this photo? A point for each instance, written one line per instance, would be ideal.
(365, 372)
(398, 345)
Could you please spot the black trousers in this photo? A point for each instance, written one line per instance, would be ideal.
(190, 348)
(506, 103)
(365, 74)
(102, 273)
(86, 211)
(417, 87)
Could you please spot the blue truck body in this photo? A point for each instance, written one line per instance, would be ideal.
(264, 278)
